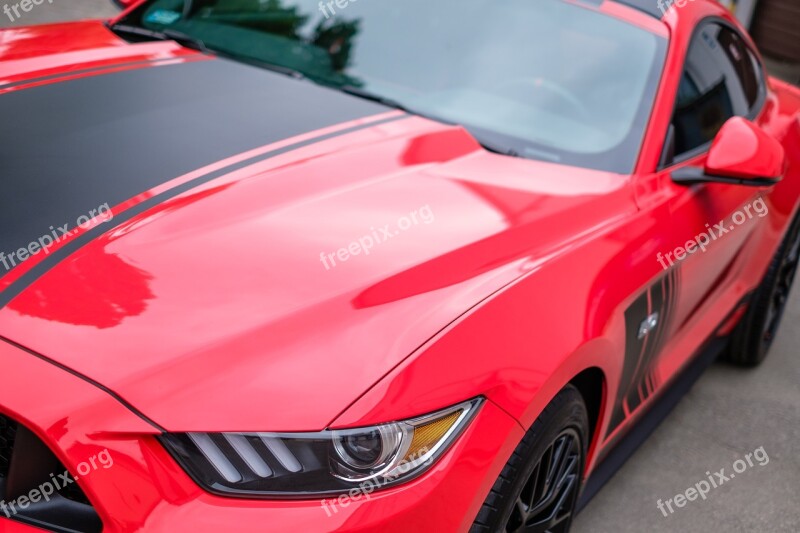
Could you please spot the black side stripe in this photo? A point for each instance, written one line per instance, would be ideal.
(637, 390)
(639, 378)
(71, 247)
(95, 70)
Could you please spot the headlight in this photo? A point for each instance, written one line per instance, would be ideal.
(302, 465)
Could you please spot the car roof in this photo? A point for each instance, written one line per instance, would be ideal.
(647, 6)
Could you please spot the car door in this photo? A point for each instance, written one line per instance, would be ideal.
(711, 222)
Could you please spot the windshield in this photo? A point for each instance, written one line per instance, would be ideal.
(541, 79)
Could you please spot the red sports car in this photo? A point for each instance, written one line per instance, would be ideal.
(300, 266)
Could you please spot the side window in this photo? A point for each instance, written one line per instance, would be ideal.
(744, 65)
(721, 79)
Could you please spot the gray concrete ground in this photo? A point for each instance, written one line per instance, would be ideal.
(59, 10)
(729, 413)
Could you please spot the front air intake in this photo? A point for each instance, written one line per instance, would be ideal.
(26, 464)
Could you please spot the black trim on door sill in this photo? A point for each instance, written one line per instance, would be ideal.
(650, 420)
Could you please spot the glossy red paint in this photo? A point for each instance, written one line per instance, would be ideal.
(436, 267)
(37, 55)
(743, 150)
(46, 40)
(144, 489)
(214, 311)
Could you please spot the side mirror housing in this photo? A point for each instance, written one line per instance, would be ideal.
(742, 154)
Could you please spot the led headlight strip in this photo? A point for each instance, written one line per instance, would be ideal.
(303, 465)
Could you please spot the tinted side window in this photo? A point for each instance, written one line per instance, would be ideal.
(744, 64)
(720, 80)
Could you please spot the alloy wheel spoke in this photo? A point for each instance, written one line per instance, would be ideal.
(558, 455)
(545, 503)
(558, 490)
(556, 516)
(530, 493)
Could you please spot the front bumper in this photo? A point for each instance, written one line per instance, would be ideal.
(144, 488)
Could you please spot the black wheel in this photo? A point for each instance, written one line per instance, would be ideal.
(753, 337)
(539, 486)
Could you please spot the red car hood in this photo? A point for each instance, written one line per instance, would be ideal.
(260, 274)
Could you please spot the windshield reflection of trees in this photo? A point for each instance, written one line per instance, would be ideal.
(334, 35)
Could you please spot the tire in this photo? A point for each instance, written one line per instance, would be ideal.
(552, 456)
(753, 337)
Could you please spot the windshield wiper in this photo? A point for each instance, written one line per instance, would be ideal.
(193, 42)
(280, 69)
(361, 93)
(185, 40)
(165, 35)
(497, 149)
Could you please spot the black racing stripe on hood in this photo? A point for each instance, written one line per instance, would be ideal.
(71, 247)
(70, 147)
